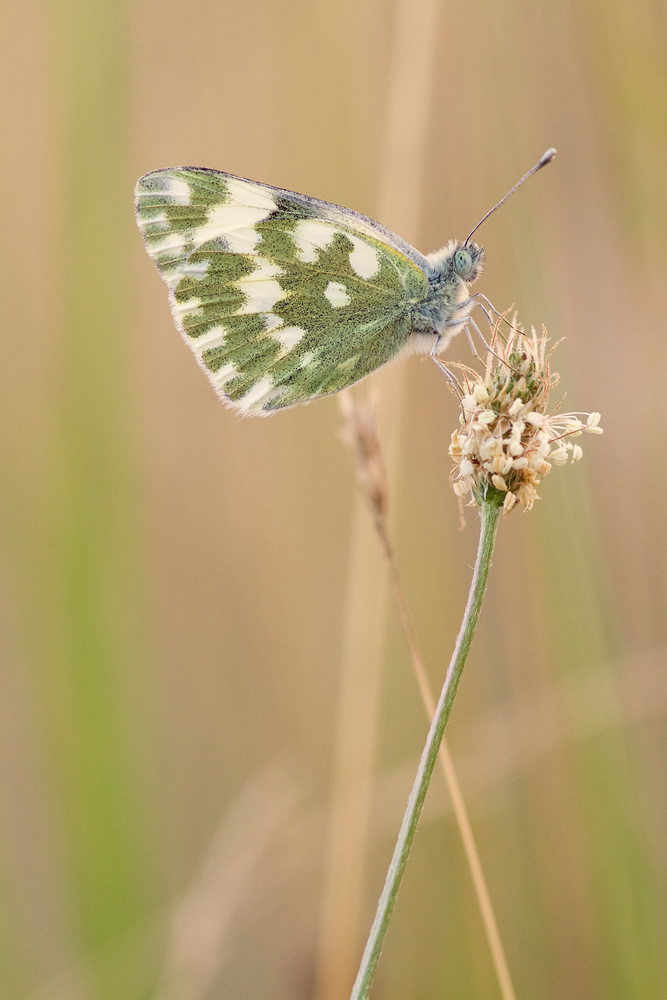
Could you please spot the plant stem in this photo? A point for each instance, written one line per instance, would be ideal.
(489, 514)
(451, 780)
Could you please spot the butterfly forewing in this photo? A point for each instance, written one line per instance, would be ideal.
(283, 298)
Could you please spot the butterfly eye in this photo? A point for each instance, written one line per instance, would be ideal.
(462, 262)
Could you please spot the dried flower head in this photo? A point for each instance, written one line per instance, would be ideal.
(507, 441)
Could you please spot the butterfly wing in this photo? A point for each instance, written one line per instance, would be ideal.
(282, 297)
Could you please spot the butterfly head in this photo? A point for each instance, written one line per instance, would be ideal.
(468, 262)
(460, 260)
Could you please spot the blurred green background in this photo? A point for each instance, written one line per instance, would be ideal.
(175, 582)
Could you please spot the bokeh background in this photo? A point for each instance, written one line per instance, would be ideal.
(184, 594)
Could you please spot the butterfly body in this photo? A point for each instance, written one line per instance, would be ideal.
(284, 298)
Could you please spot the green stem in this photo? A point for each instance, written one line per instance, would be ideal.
(489, 514)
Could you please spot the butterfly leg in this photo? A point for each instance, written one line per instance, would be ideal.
(443, 368)
(464, 323)
(451, 378)
(472, 346)
(476, 299)
(449, 375)
(480, 297)
(479, 334)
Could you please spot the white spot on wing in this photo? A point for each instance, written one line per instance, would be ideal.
(170, 243)
(177, 189)
(271, 321)
(197, 270)
(242, 240)
(289, 336)
(234, 223)
(253, 195)
(224, 374)
(337, 294)
(173, 278)
(155, 223)
(307, 251)
(213, 338)
(350, 363)
(264, 269)
(256, 394)
(308, 235)
(191, 306)
(224, 219)
(261, 295)
(364, 258)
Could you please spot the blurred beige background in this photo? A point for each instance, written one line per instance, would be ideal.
(175, 582)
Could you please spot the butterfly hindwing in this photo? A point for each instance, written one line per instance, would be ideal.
(282, 297)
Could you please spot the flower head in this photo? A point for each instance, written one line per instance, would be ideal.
(507, 441)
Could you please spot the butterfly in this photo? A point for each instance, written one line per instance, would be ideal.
(284, 298)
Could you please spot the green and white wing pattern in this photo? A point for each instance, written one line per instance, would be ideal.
(282, 298)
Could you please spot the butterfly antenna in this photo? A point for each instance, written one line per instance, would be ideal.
(542, 162)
